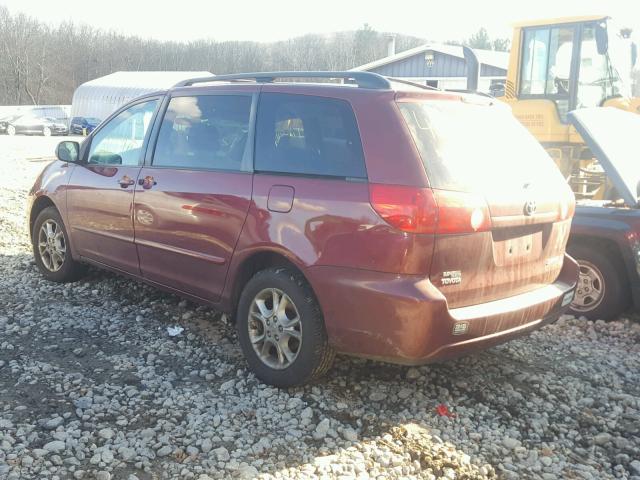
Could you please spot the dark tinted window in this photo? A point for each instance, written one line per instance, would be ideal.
(308, 135)
(207, 131)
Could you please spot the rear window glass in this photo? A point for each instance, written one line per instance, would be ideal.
(469, 147)
(302, 134)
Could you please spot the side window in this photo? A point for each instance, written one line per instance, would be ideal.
(535, 48)
(120, 141)
(560, 53)
(301, 134)
(205, 131)
(546, 61)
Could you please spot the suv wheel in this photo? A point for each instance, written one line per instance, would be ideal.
(602, 292)
(281, 329)
(50, 248)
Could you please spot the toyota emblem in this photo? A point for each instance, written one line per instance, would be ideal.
(530, 207)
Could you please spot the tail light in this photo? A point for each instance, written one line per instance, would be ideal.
(423, 210)
(409, 209)
(567, 206)
(461, 212)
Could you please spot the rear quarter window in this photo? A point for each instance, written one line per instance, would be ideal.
(307, 135)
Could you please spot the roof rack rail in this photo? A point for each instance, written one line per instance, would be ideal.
(362, 79)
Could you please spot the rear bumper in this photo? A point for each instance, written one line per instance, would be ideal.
(405, 319)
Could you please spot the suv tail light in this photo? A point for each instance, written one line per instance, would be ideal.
(567, 206)
(423, 210)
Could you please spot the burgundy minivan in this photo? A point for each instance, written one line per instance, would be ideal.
(372, 217)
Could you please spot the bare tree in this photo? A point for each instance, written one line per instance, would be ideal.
(44, 65)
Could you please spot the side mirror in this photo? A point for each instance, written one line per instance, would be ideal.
(68, 151)
(602, 38)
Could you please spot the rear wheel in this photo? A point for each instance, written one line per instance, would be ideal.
(11, 130)
(51, 248)
(281, 329)
(602, 292)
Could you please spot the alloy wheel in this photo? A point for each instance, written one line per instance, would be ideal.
(51, 245)
(590, 289)
(275, 329)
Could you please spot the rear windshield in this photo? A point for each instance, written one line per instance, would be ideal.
(471, 147)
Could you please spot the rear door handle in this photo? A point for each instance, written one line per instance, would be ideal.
(147, 182)
(126, 181)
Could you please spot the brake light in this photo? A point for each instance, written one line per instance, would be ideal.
(409, 209)
(567, 206)
(423, 210)
(461, 212)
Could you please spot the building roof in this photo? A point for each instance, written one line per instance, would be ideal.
(100, 97)
(145, 80)
(486, 57)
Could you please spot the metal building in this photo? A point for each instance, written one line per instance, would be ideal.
(100, 97)
(441, 66)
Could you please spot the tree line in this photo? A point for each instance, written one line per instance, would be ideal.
(42, 64)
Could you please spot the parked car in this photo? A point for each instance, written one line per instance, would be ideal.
(83, 125)
(375, 219)
(5, 121)
(29, 124)
(605, 234)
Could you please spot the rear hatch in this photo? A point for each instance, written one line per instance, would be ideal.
(504, 208)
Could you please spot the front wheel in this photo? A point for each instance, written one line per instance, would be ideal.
(46, 131)
(51, 248)
(281, 329)
(602, 292)
(11, 130)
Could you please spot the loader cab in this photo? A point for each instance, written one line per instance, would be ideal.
(570, 64)
(557, 66)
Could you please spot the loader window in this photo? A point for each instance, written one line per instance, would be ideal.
(546, 64)
(599, 77)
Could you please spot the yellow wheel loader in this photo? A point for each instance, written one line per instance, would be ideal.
(561, 65)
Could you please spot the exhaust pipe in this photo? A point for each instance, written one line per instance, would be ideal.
(473, 68)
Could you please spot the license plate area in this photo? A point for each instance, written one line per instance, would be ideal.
(517, 245)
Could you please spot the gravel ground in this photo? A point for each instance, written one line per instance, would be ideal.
(92, 386)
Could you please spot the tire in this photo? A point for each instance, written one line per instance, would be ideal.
(312, 356)
(11, 130)
(603, 271)
(46, 131)
(51, 264)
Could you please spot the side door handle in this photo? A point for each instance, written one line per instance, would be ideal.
(147, 182)
(126, 181)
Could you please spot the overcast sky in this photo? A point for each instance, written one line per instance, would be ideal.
(280, 19)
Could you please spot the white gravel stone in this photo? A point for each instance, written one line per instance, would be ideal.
(106, 433)
(54, 446)
(222, 454)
